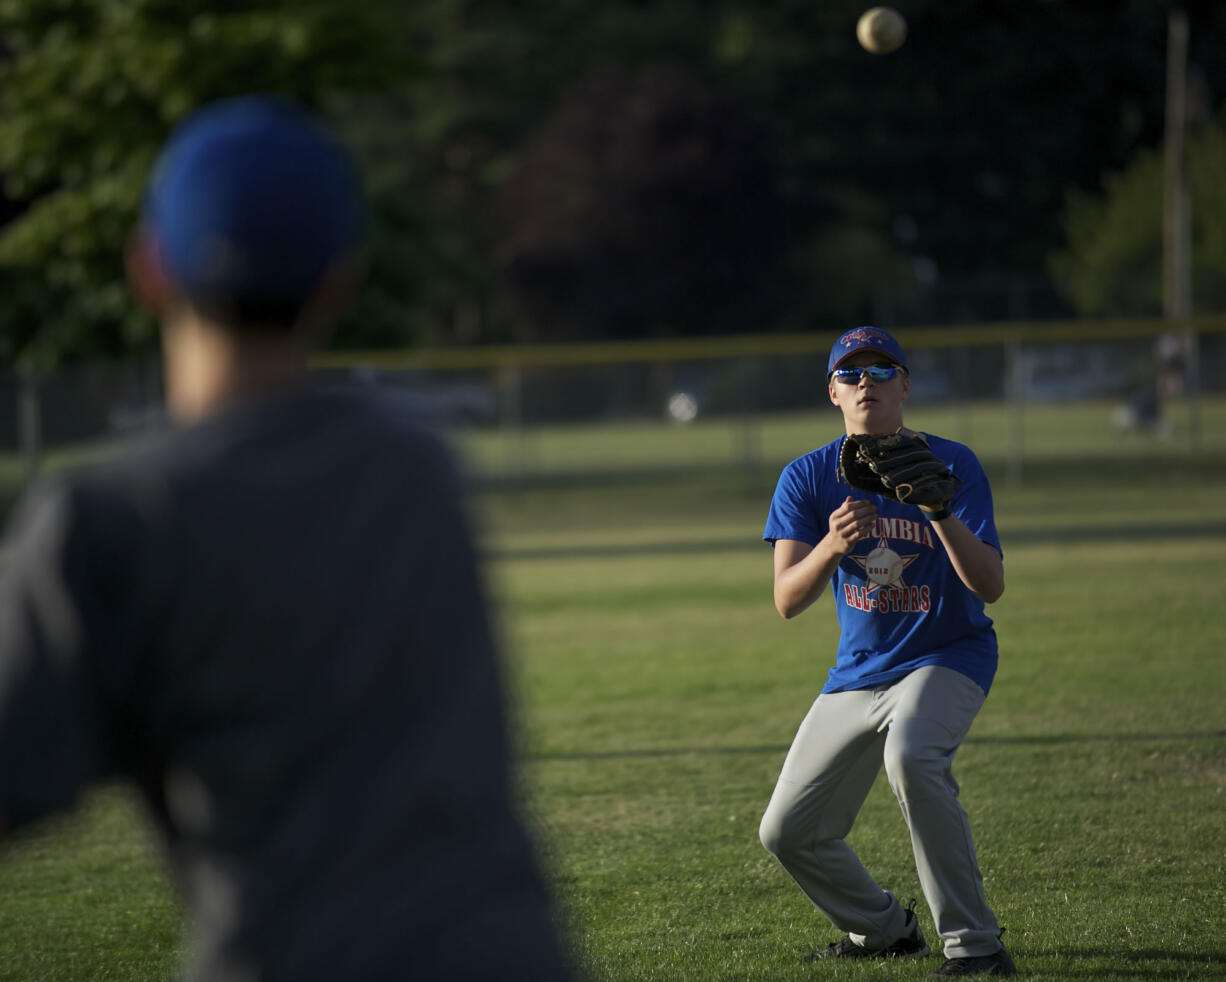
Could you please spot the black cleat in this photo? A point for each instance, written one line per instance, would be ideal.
(910, 945)
(997, 963)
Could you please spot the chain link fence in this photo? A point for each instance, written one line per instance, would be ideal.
(503, 396)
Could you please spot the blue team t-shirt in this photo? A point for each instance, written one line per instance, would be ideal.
(899, 602)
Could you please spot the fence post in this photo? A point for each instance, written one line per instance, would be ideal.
(511, 386)
(963, 370)
(1015, 394)
(750, 442)
(29, 412)
(1192, 385)
(1176, 211)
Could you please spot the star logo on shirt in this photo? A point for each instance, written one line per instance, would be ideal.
(884, 567)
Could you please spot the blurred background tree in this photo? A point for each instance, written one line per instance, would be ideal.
(750, 140)
(88, 91)
(1113, 261)
(647, 205)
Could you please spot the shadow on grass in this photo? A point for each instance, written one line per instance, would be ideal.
(1039, 739)
(1145, 963)
(1104, 533)
(1157, 469)
(1151, 467)
(1047, 739)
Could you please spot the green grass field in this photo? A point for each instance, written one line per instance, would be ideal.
(656, 691)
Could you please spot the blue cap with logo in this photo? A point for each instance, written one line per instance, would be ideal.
(250, 204)
(865, 339)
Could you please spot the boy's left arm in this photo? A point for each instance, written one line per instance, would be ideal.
(978, 564)
(969, 533)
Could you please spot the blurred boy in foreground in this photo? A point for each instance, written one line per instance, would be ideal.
(272, 622)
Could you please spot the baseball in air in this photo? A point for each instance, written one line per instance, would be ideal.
(881, 30)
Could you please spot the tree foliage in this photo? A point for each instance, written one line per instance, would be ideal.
(954, 156)
(646, 205)
(88, 91)
(1113, 262)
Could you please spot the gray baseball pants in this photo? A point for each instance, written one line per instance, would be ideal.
(914, 727)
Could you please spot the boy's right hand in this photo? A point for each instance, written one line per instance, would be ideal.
(851, 523)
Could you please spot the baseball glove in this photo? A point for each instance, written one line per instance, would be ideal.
(897, 466)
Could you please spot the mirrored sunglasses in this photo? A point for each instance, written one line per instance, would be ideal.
(878, 373)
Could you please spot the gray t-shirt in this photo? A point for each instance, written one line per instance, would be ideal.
(273, 623)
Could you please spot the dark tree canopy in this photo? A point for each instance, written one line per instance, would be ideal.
(646, 205)
(552, 168)
(89, 90)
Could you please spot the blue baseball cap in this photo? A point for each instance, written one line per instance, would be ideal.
(865, 339)
(250, 203)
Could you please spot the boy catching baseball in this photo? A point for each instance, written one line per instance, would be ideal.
(900, 527)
